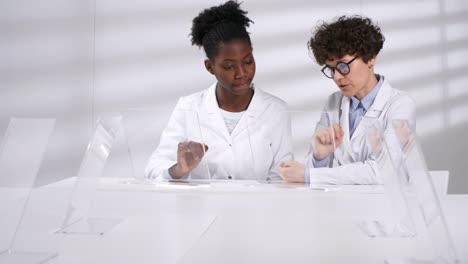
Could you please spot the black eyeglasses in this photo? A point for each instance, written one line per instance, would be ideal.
(341, 67)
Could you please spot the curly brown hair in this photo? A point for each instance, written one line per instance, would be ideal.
(355, 35)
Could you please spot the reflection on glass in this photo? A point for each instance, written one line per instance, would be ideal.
(21, 153)
(323, 149)
(98, 150)
(412, 167)
(249, 150)
(371, 140)
(415, 211)
(143, 128)
(182, 153)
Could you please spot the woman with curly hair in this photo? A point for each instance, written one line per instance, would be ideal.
(348, 49)
(245, 131)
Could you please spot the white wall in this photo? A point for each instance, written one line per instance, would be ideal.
(46, 58)
(143, 59)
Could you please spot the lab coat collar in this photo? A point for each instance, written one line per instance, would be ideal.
(247, 120)
(210, 100)
(376, 108)
(255, 106)
(380, 100)
(374, 111)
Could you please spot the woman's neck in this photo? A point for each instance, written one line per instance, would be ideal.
(232, 102)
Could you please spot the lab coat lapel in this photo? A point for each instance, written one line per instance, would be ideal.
(358, 140)
(341, 155)
(380, 101)
(376, 108)
(214, 116)
(344, 119)
(247, 120)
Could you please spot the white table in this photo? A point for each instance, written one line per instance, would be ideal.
(226, 223)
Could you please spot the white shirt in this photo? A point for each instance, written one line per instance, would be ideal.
(231, 119)
(258, 143)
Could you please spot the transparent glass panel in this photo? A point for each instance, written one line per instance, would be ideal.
(197, 149)
(297, 146)
(415, 178)
(410, 210)
(182, 142)
(254, 149)
(325, 133)
(142, 131)
(76, 217)
(303, 125)
(248, 154)
(249, 150)
(371, 140)
(21, 153)
(321, 146)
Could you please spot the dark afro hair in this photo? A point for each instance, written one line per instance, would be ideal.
(219, 24)
(354, 35)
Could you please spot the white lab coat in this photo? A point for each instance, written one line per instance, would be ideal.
(260, 140)
(355, 164)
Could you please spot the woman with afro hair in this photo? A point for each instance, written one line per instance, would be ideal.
(246, 131)
(348, 48)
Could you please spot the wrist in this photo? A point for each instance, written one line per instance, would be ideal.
(177, 172)
(319, 156)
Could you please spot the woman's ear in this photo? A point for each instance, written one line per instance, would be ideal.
(372, 61)
(209, 66)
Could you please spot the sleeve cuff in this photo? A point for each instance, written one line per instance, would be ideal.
(307, 175)
(320, 163)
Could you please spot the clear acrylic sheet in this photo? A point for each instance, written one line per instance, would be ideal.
(328, 120)
(146, 146)
(142, 129)
(415, 213)
(303, 125)
(135, 141)
(324, 128)
(230, 156)
(168, 130)
(383, 216)
(252, 152)
(241, 156)
(418, 187)
(380, 153)
(77, 220)
(21, 153)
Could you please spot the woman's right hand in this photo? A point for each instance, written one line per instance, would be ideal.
(189, 155)
(326, 140)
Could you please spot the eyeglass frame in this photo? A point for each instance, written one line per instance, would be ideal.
(335, 68)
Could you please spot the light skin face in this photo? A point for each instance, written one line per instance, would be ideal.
(234, 68)
(360, 80)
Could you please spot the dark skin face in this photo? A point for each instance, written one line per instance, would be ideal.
(234, 68)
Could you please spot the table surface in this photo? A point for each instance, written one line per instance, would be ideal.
(226, 222)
